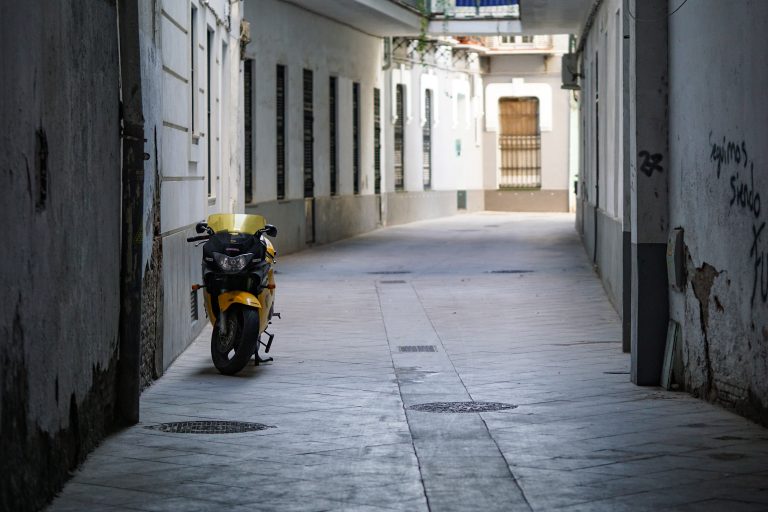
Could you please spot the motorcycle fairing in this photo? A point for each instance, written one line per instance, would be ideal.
(226, 299)
(236, 222)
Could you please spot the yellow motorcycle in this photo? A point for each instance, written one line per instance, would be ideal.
(239, 286)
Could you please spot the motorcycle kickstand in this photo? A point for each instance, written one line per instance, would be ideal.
(267, 346)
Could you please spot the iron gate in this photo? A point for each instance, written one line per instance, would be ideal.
(519, 143)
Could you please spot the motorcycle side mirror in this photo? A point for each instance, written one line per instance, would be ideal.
(201, 227)
(270, 230)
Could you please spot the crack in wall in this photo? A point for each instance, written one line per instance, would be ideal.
(702, 280)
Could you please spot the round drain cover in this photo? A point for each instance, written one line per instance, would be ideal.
(461, 407)
(208, 427)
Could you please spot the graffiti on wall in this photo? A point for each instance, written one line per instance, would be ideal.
(733, 155)
(650, 163)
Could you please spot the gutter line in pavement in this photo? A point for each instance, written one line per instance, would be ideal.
(402, 403)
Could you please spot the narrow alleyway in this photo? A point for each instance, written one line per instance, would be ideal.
(514, 313)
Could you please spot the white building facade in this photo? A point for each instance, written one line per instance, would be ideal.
(191, 72)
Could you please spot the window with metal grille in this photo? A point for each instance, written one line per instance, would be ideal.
(400, 137)
(519, 143)
(192, 66)
(280, 125)
(427, 139)
(309, 135)
(209, 107)
(356, 137)
(377, 141)
(333, 116)
(248, 128)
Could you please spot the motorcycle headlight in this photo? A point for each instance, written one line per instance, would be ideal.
(232, 263)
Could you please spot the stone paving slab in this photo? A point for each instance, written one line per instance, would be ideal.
(547, 340)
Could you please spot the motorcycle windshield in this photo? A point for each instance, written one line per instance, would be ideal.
(236, 222)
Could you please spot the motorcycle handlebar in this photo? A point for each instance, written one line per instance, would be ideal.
(198, 238)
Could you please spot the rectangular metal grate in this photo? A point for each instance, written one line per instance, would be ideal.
(393, 281)
(193, 312)
(417, 348)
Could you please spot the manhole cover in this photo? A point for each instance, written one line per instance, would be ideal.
(509, 271)
(417, 348)
(461, 407)
(390, 272)
(393, 281)
(208, 427)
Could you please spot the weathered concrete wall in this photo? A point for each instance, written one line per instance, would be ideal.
(610, 249)
(526, 200)
(718, 186)
(475, 200)
(404, 207)
(289, 218)
(60, 172)
(345, 216)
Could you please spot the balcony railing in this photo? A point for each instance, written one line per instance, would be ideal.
(476, 8)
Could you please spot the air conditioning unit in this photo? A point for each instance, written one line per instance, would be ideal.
(570, 71)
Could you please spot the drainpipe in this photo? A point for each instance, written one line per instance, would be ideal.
(591, 17)
(132, 134)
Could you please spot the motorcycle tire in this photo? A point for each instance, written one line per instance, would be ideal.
(231, 352)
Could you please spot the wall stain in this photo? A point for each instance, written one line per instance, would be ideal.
(35, 464)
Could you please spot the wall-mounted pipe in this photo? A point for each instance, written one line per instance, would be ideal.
(132, 132)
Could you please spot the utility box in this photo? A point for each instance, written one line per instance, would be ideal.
(570, 72)
(676, 260)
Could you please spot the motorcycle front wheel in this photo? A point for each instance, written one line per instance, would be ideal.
(232, 350)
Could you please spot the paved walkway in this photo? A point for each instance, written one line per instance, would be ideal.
(541, 335)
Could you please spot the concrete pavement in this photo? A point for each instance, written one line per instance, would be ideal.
(505, 308)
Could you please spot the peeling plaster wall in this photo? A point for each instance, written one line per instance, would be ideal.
(718, 122)
(152, 263)
(60, 172)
